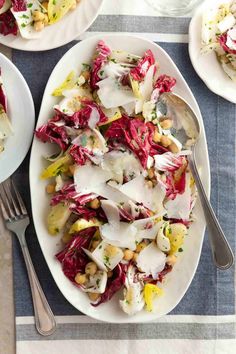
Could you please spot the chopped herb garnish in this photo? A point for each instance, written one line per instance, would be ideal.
(29, 5)
(180, 249)
(83, 140)
(23, 25)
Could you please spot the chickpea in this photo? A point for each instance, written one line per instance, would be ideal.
(46, 20)
(93, 296)
(111, 250)
(109, 273)
(38, 26)
(171, 260)
(80, 278)
(135, 255)
(151, 173)
(174, 148)
(37, 16)
(140, 247)
(95, 244)
(91, 268)
(50, 188)
(166, 124)
(128, 255)
(95, 203)
(156, 137)
(73, 6)
(45, 5)
(86, 74)
(72, 169)
(165, 141)
(66, 237)
(149, 184)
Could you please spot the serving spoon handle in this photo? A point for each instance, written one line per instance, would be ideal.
(222, 254)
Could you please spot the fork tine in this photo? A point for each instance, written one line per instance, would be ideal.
(5, 202)
(4, 212)
(7, 188)
(19, 199)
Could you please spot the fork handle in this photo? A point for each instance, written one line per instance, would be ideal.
(221, 251)
(44, 319)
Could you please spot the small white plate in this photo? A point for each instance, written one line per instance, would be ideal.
(22, 117)
(69, 28)
(178, 281)
(207, 65)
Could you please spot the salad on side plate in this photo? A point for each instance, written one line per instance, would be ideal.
(219, 35)
(29, 17)
(5, 125)
(121, 190)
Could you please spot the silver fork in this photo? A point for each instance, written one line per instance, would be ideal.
(17, 220)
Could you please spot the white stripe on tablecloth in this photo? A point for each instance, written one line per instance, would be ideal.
(129, 7)
(154, 346)
(25, 320)
(156, 37)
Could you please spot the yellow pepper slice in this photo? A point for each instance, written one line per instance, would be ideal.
(58, 8)
(67, 84)
(149, 292)
(82, 224)
(60, 165)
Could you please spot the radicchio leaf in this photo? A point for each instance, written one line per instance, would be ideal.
(137, 136)
(8, 24)
(72, 257)
(102, 54)
(139, 72)
(164, 83)
(222, 40)
(19, 5)
(113, 284)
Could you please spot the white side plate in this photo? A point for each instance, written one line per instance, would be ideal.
(178, 281)
(22, 116)
(69, 28)
(207, 65)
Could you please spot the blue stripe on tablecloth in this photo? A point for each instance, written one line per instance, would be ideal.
(211, 292)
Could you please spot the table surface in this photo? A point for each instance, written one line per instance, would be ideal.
(206, 315)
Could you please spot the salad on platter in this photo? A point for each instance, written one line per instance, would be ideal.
(5, 125)
(219, 35)
(121, 192)
(29, 17)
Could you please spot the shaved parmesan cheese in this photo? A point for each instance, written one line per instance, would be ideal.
(124, 237)
(146, 88)
(149, 233)
(180, 207)
(96, 259)
(112, 94)
(112, 212)
(113, 70)
(24, 20)
(96, 283)
(129, 108)
(138, 191)
(227, 23)
(163, 242)
(151, 260)
(109, 192)
(108, 254)
(133, 295)
(232, 33)
(68, 105)
(5, 126)
(230, 42)
(94, 118)
(87, 177)
(122, 164)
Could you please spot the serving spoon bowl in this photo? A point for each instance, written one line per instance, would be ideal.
(186, 129)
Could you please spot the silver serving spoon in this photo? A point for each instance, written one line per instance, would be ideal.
(186, 129)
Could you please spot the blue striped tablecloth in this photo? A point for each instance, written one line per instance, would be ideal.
(204, 321)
